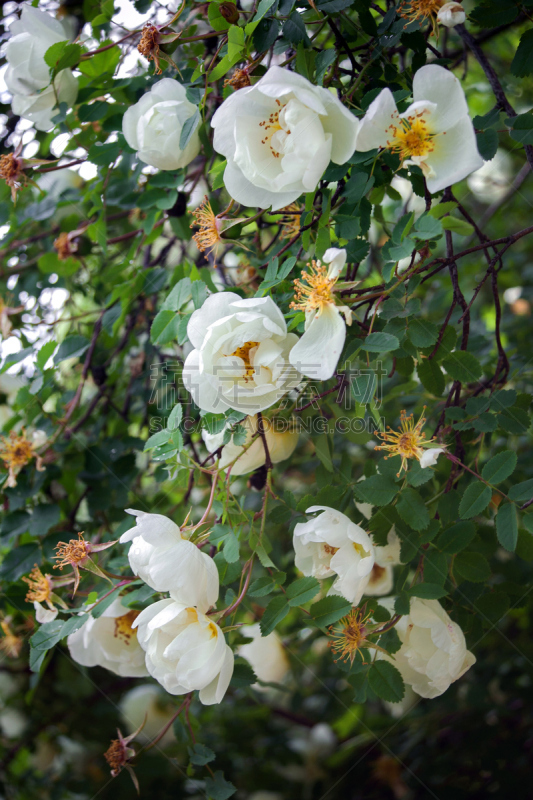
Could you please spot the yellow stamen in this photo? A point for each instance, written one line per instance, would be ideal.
(39, 586)
(73, 552)
(348, 636)
(330, 550)
(208, 237)
(411, 138)
(244, 353)
(314, 290)
(291, 221)
(408, 442)
(270, 127)
(414, 10)
(123, 626)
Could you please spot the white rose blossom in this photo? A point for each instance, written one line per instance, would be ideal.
(153, 126)
(281, 445)
(109, 641)
(331, 544)
(28, 75)
(168, 562)
(241, 354)
(317, 353)
(451, 14)
(279, 136)
(265, 654)
(185, 650)
(147, 706)
(433, 654)
(435, 132)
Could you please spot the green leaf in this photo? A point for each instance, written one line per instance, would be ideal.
(44, 517)
(329, 610)
(428, 591)
(487, 143)
(494, 605)
(500, 467)
(189, 126)
(50, 262)
(47, 635)
(386, 682)
(380, 343)
(217, 788)
(422, 333)
(216, 20)
(243, 675)
(412, 509)
(45, 353)
(427, 227)
(456, 538)
(164, 327)
(472, 566)
(276, 610)
(62, 55)
(72, 347)
(180, 294)
(262, 9)
(462, 366)
(19, 561)
(522, 63)
(377, 490)
(431, 376)
(175, 417)
(475, 500)
(235, 42)
(456, 225)
(521, 128)
(201, 755)
(302, 591)
(521, 491)
(507, 526)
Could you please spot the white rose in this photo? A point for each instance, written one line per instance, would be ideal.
(433, 653)
(167, 562)
(279, 136)
(241, 354)
(148, 704)
(281, 445)
(331, 544)
(491, 182)
(265, 654)
(109, 641)
(451, 14)
(153, 126)
(28, 75)
(435, 133)
(185, 650)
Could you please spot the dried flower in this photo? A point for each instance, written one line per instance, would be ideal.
(65, 245)
(409, 442)
(149, 45)
(290, 220)
(239, 80)
(41, 590)
(349, 635)
(17, 450)
(10, 643)
(421, 10)
(76, 554)
(5, 313)
(118, 755)
(211, 227)
(12, 172)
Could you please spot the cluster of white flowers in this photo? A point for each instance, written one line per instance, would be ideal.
(174, 640)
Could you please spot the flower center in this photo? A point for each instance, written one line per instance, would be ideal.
(408, 442)
(271, 126)
(213, 628)
(314, 290)
(411, 138)
(39, 586)
(208, 237)
(377, 573)
(348, 636)
(123, 629)
(330, 550)
(16, 450)
(244, 353)
(419, 9)
(72, 552)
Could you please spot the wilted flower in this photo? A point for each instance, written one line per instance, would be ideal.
(12, 171)
(76, 554)
(168, 562)
(28, 75)
(239, 80)
(331, 544)
(318, 351)
(118, 755)
(10, 642)
(17, 450)
(241, 354)
(349, 635)
(153, 126)
(291, 220)
(410, 442)
(66, 244)
(279, 136)
(435, 133)
(41, 590)
(433, 653)
(251, 454)
(185, 650)
(265, 654)
(149, 45)
(209, 237)
(109, 641)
